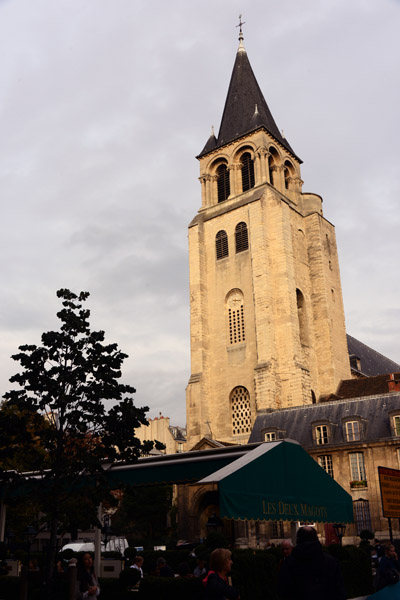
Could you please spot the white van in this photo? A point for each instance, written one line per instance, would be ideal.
(115, 544)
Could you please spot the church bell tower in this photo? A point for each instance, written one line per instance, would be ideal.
(266, 309)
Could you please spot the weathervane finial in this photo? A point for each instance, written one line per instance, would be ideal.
(241, 23)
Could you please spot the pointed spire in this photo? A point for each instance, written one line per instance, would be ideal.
(210, 144)
(245, 107)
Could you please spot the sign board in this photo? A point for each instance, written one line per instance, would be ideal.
(389, 480)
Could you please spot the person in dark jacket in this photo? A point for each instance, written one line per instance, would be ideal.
(309, 573)
(389, 567)
(216, 582)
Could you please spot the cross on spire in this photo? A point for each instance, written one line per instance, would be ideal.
(240, 25)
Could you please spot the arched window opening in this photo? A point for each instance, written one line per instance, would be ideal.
(241, 414)
(272, 164)
(302, 317)
(237, 333)
(288, 173)
(223, 183)
(241, 237)
(287, 177)
(247, 171)
(313, 398)
(221, 244)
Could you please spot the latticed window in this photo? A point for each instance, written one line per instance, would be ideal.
(362, 516)
(353, 433)
(234, 303)
(221, 244)
(321, 434)
(241, 237)
(223, 183)
(247, 171)
(236, 325)
(357, 466)
(241, 415)
(325, 462)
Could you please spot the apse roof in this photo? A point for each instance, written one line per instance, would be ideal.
(372, 362)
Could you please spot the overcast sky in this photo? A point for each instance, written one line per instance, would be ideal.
(104, 105)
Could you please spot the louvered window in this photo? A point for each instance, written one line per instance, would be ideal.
(241, 237)
(223, 184)
(221, 244)
(247, 172)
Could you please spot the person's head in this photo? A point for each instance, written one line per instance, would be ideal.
(390, 550)
(287, 547)
(220, 560)
(139, 560)
(87, 561)
(306, 534)
(161, 562)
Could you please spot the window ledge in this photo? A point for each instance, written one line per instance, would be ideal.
(358, 484)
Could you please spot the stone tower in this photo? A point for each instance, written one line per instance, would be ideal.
(267, 319)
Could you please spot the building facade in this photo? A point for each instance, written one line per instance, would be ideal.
(267, 318)
(349, 437)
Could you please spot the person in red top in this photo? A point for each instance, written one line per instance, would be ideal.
(216, 582)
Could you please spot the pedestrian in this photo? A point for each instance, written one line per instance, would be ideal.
(138, 564)
(216, 582)
(287, 547)
(87, 584)
(389, 567)
(164, 570)
(309, 573)
(200, 569)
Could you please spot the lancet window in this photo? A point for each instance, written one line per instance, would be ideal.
(223, 183)
(247, 171)
(221, 245)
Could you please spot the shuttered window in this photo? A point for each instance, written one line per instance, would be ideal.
(221, 244)
(247, 171)
(223, 184)
(241, 237)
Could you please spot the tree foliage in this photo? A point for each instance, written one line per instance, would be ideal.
(69, 415)
(143, 512)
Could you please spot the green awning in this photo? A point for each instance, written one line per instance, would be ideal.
(279, 481)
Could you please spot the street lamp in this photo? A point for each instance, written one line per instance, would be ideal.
(340, 529)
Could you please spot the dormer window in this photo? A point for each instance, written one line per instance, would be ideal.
(270, 436)
(396, 425)
(321, 434)
(353, 431)
(223, 183)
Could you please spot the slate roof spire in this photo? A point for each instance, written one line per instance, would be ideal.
(245, 107)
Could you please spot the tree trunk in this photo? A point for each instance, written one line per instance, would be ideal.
(51, 556)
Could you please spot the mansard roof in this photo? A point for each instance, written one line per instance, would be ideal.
(297, 423)
(245, 108)
(371, 362)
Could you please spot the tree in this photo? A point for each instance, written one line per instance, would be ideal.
(64, 386)
(143, 513)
